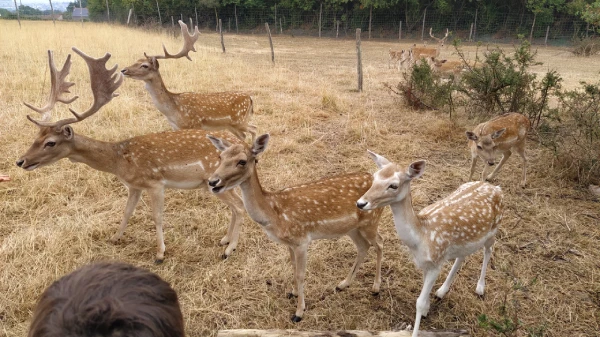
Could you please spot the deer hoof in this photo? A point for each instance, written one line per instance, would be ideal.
(159, 261)
(375, 293)
(224, 256)
(291, 295)
(296, 319)
(338, 289)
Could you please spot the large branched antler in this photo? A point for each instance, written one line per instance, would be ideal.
(440, 41)
(59, 87)
(188, 44)
(104, 83)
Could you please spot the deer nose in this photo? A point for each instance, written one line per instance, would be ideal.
(124, 71)
(214, 182)
(20, 162)
(361, 204)
(491, 163)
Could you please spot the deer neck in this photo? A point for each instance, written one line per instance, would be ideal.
(162, 98)
(99, 155)
(408, 225)
(256, 202)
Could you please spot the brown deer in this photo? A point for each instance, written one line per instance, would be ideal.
(178, 159)
(190, 110)
(501, 134)
(108, 299)
(452, 228)
(419, 53)
(401, 58)
(446, 67)
(297, 215)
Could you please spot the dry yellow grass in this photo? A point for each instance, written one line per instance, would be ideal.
(59, 217)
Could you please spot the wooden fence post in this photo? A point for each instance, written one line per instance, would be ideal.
(19, 17)
(196, 11)
(400, 31)
(107, 11)
(532, 26)
(359, 61)
(337, 29)
(275, 19)
(320, 16)
(546, 40)
(236, 22)
(80, 8)
(270, 42)
(159, 17)
(475, 24)
(52, 9)
(370, 20)
(423, 29)
(280, 26)
(129, 15)
(221, 32)
(471, 32)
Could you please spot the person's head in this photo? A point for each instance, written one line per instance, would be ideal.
(108, 300)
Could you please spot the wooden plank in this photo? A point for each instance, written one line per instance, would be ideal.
(343, 333)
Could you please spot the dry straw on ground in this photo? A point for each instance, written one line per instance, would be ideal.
(56, 218)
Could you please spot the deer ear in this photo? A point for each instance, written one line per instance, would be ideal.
(498, 133)
(416, 169)
(380, 161)
(68, 132)
(260, 144)
(471, 136)
(220, 144)
(154, 62)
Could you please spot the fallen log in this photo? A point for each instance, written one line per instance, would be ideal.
(341, 333)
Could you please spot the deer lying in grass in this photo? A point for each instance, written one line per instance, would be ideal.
(108, 299)
(500, 134)
(452, 228)
(178, 159)
(297, 215)
(446, 67)
(189, 110)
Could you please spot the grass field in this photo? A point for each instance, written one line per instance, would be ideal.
(546, 269)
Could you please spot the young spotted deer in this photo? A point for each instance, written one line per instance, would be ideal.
(190, 110)
(297, 215)
(401, 58)
(178, 159)
(451, 228)
(502, 134)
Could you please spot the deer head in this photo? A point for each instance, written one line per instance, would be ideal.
(484, 145)
(439, 41)
(55, 140)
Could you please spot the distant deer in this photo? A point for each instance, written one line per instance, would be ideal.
(297, 215)
(178, 159)
(108, 299)
(400, 58)
(501, 134)
(189, 110)
(419, 53)
(452, 228)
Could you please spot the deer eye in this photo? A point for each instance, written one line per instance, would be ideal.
(241, 163)
(145, 66)
(50, 144)
(479, 147)
(393, 186)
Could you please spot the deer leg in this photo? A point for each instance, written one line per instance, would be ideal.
(157, 200)
(294, 292)
(371, 234)
(505, 157)
(487, 254)
(521, 151)
(300, 254)
(423, 301)
(132, 201)
(236, 205)
(473, 163)
(362, 247)
(446, 286)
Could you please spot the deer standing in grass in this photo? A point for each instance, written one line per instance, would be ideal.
(452, 228)
(418, 53)
(178, 159)
(297, 215)
(191, 110)
(502, 134)
(401, 58)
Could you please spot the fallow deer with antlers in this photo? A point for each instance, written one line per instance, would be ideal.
(501, 134)
(178, 159)
(298, 215)
(418, 53)
(452, 228)
(191, 110)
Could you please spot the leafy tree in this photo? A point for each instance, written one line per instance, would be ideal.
(26, 10)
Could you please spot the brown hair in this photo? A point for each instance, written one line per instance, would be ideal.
(108, 299)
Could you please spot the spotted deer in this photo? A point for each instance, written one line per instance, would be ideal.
(451, 228)
(297, 215)
(181, 159)
(400, 58)
(418, 53)
(501, 134)
(446, 67)
(191, 110)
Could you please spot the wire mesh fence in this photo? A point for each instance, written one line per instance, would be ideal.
(375, 23)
